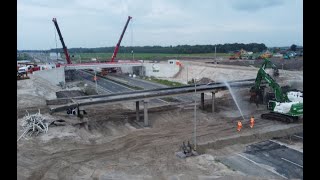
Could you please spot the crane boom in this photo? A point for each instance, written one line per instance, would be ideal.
(114, 55)
(62, 42)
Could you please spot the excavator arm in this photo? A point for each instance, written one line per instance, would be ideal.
(262, 75)
(268, 64)
(257, 90)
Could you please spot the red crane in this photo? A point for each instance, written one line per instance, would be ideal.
(62, 42)
(118, 44)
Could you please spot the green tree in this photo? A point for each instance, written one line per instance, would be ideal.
(255, 50)
(293, 47)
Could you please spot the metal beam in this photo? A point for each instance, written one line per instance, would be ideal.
(100, 65)
(59, 100)
(145, 95)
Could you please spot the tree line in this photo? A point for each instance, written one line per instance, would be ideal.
(179, 49)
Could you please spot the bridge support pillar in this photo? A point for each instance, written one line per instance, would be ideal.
(137, 111)
(202, 100)
(213, 101)
(146, 120)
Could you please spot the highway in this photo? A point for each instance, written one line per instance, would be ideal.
(139, 82)
(112, 87)
(147, 85)
(270, 159)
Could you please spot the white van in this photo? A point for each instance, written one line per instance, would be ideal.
(23, 70)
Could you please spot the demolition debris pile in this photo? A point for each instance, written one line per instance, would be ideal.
(34, 124)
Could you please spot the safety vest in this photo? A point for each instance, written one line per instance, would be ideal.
(239, 124)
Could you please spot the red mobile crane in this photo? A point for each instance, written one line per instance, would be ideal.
(62, 42)
(118, 44)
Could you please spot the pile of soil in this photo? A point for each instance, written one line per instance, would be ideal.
(71, 93)
(205, 80)
(291, 64)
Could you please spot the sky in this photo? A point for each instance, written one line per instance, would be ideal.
(99, 23)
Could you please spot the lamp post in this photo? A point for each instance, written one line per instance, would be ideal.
(187, 72)
(95, 79)
(195, 116)
(195, 110)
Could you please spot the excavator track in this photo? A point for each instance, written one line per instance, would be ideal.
(279, 117)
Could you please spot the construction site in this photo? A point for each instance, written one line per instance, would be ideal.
(227, 119)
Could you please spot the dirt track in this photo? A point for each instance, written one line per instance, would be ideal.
(106, 145)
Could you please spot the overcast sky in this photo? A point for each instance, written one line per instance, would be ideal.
(99, 23)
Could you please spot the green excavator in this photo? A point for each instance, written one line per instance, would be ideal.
(284, 106)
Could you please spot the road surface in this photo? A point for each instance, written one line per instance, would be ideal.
(113, 87)
(271, 159)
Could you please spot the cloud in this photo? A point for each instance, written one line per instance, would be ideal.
(254, 5)
(101, 6)
(93, 23)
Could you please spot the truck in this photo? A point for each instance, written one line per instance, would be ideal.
(283, 106)
(286, 56)
(242, 54)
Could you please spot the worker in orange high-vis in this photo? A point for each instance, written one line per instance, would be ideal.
(239, 126)
(251, 121)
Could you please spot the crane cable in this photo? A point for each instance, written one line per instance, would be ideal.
(131, 40)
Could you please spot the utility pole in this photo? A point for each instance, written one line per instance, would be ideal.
(195, 109)
(95, 78)
(195, 115)
(187, 72)
(215, 52)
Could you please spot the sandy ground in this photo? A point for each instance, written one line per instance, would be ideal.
(219, 72)
(106, 145)
(32, 94)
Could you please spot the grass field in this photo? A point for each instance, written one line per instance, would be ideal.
(164, 82)
(139, 56)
